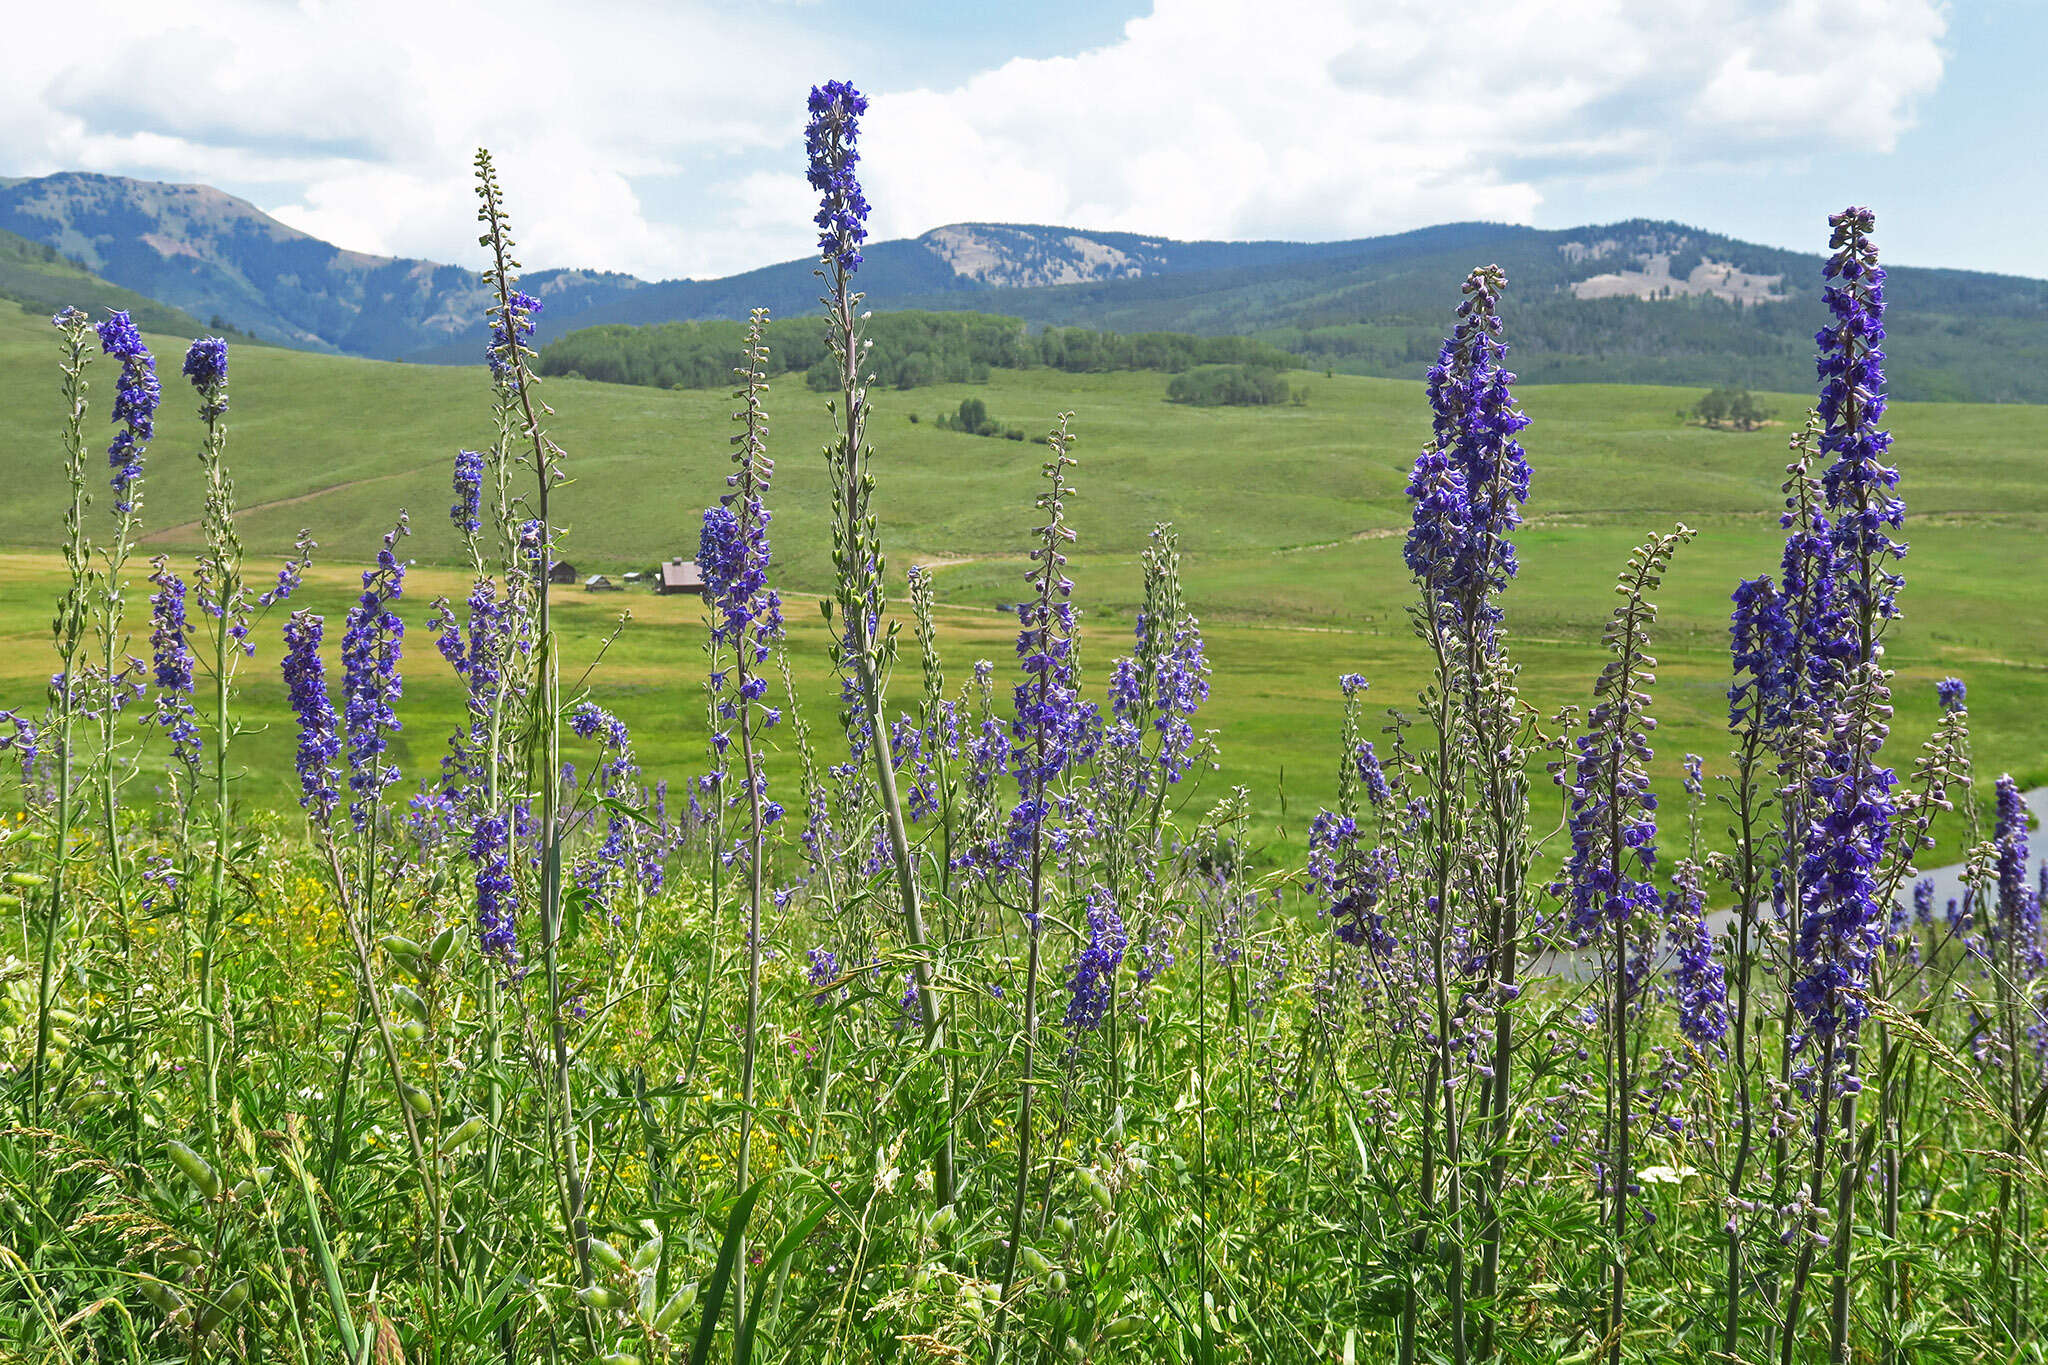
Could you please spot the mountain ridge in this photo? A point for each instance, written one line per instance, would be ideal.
(1642, 300)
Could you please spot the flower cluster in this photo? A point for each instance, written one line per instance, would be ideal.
(21, 741)
(496, 918)
(170, 641)
(1469, 485)
(1093, 982)
(136, 397)
(1860, 487)
(507, 343)
(829, 140)
(1697, 976)
(206, 365)
(467, 510)
(370, 649)
(2019, 905)
(610, 864)
(305, 677)
(1844, 921)
(1764, 644)
(1052, 727)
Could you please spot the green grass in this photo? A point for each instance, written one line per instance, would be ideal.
(1290, 522)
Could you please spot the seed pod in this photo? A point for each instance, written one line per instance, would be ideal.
(1123, 1327)
(1034, 1260)
(648, 1254)
(409, 1001)
(1063, 1225)
(437, 951)
(412, 1030)
(225, 1307)
(678, 1304)
(942, 1222)
(401, 947)
(606, 1254)
(163, 1297)
(420, 1100)
(29, 879)
(464, 1133)
(596, 1296)
(644, 1304)
(1056, 1283)
(195, 1168)
(334, 1019)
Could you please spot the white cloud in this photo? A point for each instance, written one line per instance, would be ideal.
(663, 136)
(1223, 118)
(356, 121)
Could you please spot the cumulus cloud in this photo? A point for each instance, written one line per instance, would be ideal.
(356, 119)
(663, 136)
(1320, 118)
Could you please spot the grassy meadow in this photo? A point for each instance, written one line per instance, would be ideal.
(1291, 522)
(1033, 1045)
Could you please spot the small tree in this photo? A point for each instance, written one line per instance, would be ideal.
(1730, 406)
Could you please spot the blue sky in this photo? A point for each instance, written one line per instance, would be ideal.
(663, 137)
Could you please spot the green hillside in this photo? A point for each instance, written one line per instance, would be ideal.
(1290, 520)
(40, 280)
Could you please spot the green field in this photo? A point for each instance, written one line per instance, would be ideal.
(1290, 523)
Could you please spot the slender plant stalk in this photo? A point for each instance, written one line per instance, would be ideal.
(860, 567)
(69, 629)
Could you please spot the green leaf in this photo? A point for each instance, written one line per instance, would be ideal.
(798, 1234)
(728, 1256)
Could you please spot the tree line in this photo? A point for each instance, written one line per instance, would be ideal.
(911, 349)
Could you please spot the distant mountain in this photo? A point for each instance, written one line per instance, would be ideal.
(211, 254)
(1640, 301)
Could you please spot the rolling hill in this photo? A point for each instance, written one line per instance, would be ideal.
(1640, 301)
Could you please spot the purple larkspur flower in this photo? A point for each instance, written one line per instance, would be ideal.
(170, 642)
(2019, 907)
(1092, 983)
(1470, 484)
(371, 646)
(1843, 924)
(137, 394)
(502, 353)
(206, 365)
(305, 678)
(1697, 976)
(1952, 695)
(496, 918)
(20, 740)
(467, 510)
(829, 139)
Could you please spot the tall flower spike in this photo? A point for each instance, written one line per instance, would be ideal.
(370, 651)
(170, 641)
(1050, 724)
(829, 139)
(1843, 918)
(2019, 907)
(1464, 554)
(1859, 486)
(136, 397)
(305, 678)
